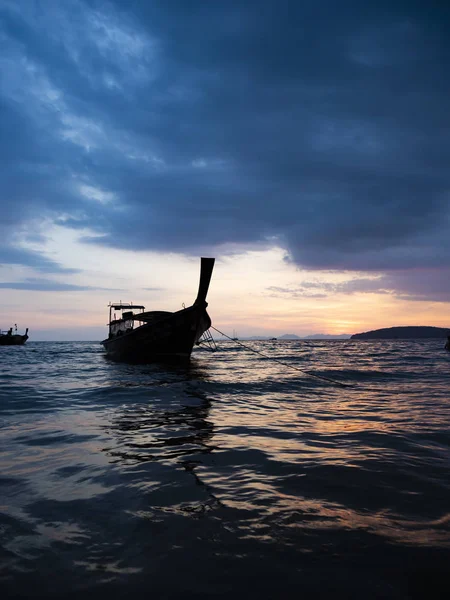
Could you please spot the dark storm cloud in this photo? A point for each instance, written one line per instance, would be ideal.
(18, 256)
(413, 284)
(184, 126)
(47, 285)
(322, 289)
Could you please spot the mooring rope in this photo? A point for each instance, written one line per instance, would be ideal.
(309, 373)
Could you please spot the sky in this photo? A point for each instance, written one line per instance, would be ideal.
(303, 144)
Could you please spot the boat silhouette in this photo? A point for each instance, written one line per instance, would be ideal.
(8, 338)
(144, 337)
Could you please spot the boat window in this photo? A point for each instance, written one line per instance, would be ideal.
(122, 326)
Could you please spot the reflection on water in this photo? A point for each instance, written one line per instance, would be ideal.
(233, 469)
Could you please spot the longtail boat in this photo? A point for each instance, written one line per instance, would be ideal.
(140, 336)
(8, 338)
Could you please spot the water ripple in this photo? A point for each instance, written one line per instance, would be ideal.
(116, 477)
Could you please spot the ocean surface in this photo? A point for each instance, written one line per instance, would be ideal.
(235, 477)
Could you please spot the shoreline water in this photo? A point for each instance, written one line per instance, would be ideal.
(233, 476)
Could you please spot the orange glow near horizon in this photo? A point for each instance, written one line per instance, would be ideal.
(253, 293)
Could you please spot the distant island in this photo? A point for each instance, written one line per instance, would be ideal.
(403, 333)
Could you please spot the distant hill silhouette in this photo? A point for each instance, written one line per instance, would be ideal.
(289, 336)
(403, 333)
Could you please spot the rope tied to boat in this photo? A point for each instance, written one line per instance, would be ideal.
(308, 373)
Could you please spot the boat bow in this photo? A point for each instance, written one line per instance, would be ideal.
(206, 269)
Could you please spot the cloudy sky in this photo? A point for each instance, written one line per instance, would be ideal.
(304, 144)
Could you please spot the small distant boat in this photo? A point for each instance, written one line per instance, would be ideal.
(145, 337)
(273, 339)
(8, 338)
(235, 337)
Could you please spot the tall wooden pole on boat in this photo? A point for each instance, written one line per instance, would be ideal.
(206, 269)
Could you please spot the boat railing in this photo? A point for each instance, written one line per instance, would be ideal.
(207, 340)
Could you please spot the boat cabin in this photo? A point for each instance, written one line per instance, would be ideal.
(125, 321)
(10, 331)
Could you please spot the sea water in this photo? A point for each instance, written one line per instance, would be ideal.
(235, 477)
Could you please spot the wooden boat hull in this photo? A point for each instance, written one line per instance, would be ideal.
(170, 338)
(13, 340)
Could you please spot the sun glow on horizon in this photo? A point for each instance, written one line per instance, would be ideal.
(255, 292)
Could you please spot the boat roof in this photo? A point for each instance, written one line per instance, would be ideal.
(125, 305)
(151, 315)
